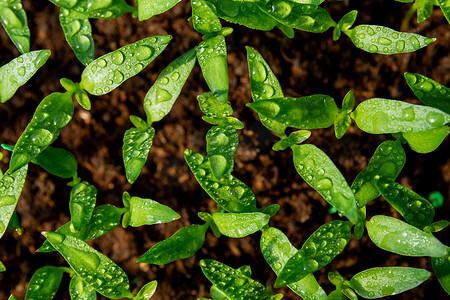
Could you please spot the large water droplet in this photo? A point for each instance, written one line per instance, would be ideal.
(400, 45)
(268, 108)
(118, 57)
(324, 184)
(426, 86)
(259, 72)
(218, 165)
(415, 42)
(384, 41)
(73, 27)
(435, 119)
(21, 71)
(41, 137)
(370, 31)
(310, 265)
(7, 200)
(101, 63)
(117, 77)
(280, 9)
(373, 48)
(408, 114)
(267, 91)
(143, 52)
(162, 95)
(9, 18)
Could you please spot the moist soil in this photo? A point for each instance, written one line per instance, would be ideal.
(307, 64)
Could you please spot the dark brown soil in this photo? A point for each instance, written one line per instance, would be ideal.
(307, 64)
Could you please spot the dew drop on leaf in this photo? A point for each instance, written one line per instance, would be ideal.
(118, 57)
(117, 77)
(435, 119)
(259, 72)
(408, 114)
(162, 95)
(324, 184)
(400, 45)
(143, 52)
(41, 137)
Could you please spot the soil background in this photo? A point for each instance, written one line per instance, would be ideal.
(307, 64)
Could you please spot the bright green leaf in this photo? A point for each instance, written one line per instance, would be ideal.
(239, 225)
(50, 276)
(136, 146)
(14, 20)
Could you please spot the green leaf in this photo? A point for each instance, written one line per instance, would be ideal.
(441, 268)
(383, 40)
(319, 250)
(296, 137)
(94, 268)
(344, 24)
(111, 70)
(182, 244)
(104, 219)
(342, 124)
(381, 282)
(445, 7)
(163, 93)
(136, 146)
(150, 8)
(138, 122)
(14, 20)
(277, 249)
(238, 225)
(336, 295)
(264, 85)
(396, 236)
(416, 210)
(10, 190)
(230, 193)
(146, 291)
(309, 112)
(222, 142)
(208, 219)
(14, 223)
(82, 202)
(348, 102)
(52, 114)
(426, 141)
(2, 267)
(424, 9)
(306, 17)
(386, 163)
(142, 211)
(204, 17)
(390, 116)
(19, 70)
(246, 13)
(224, 121)
(57, 161)
(437, 226)
(12, 297)
(429, 92)
(319, 171)
(78, 32)
(81, 290)
(213, 106)
(44, 283)
(96, 9)
(212, 58)
(231, 282)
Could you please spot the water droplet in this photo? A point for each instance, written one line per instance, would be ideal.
(138, 68)
(426, 86)
(387, 290)
(9, 19)
(400, 45)
(373, 48)
(415, 42)
(61, 119)
(324, 184)
(280, 9)
(7, 200)
(164, 81)
(370, 31)
(118, 57)
(98, 91)
(21, 71)
(143, 52)
(117, 77)
(267, 91)
(73, 27)
(259, 72)
(101, 63)
(435, 119)
(268, 108)
(408, 114)
(162, 95)
(175, 76)
(41, 137)
(384, 41)
(310, 265)
(20, 59)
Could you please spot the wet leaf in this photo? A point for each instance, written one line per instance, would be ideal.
(44, 283)
(83, 197)
(239, 225)
(222, 142)
(14, 20)
(136, 146)
(80, 290)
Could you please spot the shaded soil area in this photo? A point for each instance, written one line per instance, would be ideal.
(307, 64)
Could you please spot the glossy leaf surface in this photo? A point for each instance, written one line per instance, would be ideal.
(213, 106)
(396, 236)
(342, 124)
(426, 141)
(386, 163)
(445, 7)
(231, 282)
(306, 17)
(309, 112)
(78, 32)
(319, 171)
(82, 202)
(80, 290)
(277, 249)
(14, 20)
(441, 268)
(429, 92)
(424, 9)
(142, 211)
(136, 146)
(57, 161)
(182, 244)
(222, 142)
(19, 70)
(10, 190)
(101, 9)
(52, 114)
(104, 219)
(96, 269)
(150, 8)
(230, 193)
(146, 291)
(416, 210)
(319, 250)
(383, 40)
(111, 70)
(390, 116)
(14, 223)
(344, 24)
(296, 137)
(44, 283)
(386, 281)
(239, 225)
(212, 58)
(204, 18)
(163, 93)
(264, 85)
